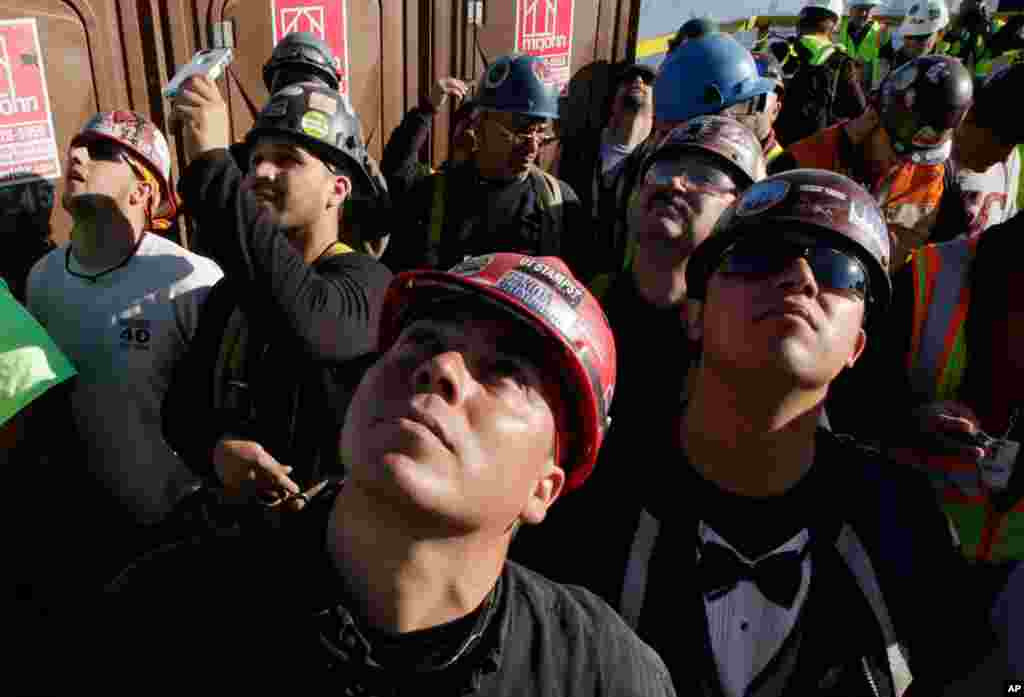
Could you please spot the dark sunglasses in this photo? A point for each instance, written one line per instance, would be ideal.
(832, 268)
(105, 150)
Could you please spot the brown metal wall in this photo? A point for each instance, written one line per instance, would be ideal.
(109, 54)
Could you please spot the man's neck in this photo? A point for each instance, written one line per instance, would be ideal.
(313, 241)
(405, 583)
(499, 173)
(755, 443)
(99, 241)
(629, 128)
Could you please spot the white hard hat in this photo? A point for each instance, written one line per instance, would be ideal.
(865, 3)
(924, 18)
(833, 6)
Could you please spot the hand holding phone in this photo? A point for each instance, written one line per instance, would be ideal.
(210, 62)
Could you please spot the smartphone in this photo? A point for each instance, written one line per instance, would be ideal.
(210, 62)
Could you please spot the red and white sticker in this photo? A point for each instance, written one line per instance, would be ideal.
(544, 29)
(28, 146)
(328, 19)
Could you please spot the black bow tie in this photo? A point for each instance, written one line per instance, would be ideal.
(777, 577)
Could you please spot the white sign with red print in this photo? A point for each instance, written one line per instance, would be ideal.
(328, 19)
(28, 146)
(544, 29)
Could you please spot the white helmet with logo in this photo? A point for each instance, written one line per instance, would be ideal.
(833, 6)
(925, 18)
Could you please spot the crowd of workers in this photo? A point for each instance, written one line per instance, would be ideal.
(771, 306)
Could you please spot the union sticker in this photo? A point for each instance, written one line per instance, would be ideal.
(314, 123)
(937, 72)
(762, 196)
(276, 109)
(472, 266)
(323, 102)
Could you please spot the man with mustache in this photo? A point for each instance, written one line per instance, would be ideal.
(257, 402)
(489, 403)
(794, 531)
(697, 171)
(713, 74)
(500, 200)
(594, 164)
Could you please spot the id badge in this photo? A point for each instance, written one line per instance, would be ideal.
(996, 467)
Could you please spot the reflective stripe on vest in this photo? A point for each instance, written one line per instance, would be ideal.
(936, 364)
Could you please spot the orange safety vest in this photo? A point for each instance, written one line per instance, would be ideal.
(936, 363)
(909, 195)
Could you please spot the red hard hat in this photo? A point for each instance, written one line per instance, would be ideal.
(804, 200)
(542, 291)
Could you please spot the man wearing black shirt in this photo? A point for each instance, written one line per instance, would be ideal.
(255, 406)
(818, 567)
(500, 201)
(489, 401)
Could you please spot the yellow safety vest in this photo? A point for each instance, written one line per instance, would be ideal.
(867, 51)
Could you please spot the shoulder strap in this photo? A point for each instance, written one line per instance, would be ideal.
(551, 192)
(850, 548)
(551, 201)
(634, 588)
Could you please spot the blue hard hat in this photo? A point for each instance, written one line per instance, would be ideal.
(705, 76)
(518, 84)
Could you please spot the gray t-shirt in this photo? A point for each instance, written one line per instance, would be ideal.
(124, 331)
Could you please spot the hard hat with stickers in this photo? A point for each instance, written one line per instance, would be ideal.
(519, 84)
(543, 293)
(319, 119)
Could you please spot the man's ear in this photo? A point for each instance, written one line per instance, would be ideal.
(858, 348)
(341, 191)
(544, 493)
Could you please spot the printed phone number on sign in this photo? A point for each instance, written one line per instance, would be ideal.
(20, 134)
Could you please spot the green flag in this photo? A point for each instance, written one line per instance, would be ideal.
(30, 363)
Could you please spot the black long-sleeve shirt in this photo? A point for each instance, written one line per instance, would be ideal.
(308, 325)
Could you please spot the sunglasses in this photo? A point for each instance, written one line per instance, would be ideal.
(699, 177)
(832, 268)
(106, 151)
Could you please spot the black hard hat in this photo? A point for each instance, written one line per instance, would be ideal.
(304, 54)
(320, 120)
(921, 104)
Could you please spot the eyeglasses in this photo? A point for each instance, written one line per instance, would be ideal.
(542, 136)
(696, 176)
(832, 268)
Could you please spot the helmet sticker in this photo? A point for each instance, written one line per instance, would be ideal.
(866, 218)
(934, 12)
(914, 10)
(827, 190)
(276, 109)
(472, 266)
(938, 72)
(322, 102)
(497, 74)
(540, 298)
(314, 123)
(762, 196)
(571, 292)
(290, 91)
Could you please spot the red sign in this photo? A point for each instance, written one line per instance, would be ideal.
(544, 29)
(325, 18)
(28, 148)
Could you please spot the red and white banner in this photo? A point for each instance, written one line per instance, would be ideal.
(544, 29)
(326, 18)
(28, 147)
